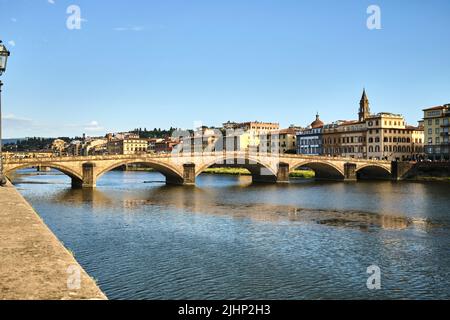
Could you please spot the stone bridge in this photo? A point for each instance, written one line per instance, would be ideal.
(183, 168)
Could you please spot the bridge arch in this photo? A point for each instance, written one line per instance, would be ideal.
(322, 169)
(172, 174)
(259, 170)
(373, 171)
(74, 175)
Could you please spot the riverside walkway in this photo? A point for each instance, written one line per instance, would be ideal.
(33, 262)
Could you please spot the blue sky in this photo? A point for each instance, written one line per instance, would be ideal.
(162, 63)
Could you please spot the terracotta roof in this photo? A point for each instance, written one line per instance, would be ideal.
(414, 128)
(317, 123)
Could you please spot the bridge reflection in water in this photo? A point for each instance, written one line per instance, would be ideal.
(201, 201)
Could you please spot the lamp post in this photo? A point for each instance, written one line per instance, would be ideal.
(4, 54)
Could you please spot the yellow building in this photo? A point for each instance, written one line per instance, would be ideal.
(282, 141)
(436, 127)
(390, 138)
(250, 136)
(127, 146)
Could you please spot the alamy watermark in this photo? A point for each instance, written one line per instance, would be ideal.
(374, 280)
(74, 19)
(74, 277)
(374, 20)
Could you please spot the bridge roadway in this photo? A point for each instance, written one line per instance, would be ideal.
(183, 168)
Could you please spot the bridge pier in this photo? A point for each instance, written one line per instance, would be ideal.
(89, 177)
(349, 171)
(188, 176)
(283, 173)
(400, 170)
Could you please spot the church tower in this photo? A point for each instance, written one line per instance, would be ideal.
(364, 109)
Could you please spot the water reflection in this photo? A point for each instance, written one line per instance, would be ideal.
(202, 200)
(225, 238)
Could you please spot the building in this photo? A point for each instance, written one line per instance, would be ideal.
(309, 140)
(253, 126)
(249, 136)
(75, 148)
(58, 147)
(345, 138)
(390, 138)
(127, 146)
(286, 140)
(373, 136)
(94, 146)
(277, 141)
(165, 145)
(436, 128)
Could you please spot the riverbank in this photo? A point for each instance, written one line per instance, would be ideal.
(304, 174)
(34, 263)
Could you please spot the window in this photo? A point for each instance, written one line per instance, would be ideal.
(430, 122)
(430, 131)
(436, 121)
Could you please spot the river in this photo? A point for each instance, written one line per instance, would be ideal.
(228, 239)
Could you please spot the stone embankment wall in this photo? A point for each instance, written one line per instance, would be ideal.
(34, 264)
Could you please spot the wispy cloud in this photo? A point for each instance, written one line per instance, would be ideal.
(16, 126)
(132, 28)
(13, 124)
(13, 19)
(93, 126)
(12, 117)
(12, 43)
(51, 1)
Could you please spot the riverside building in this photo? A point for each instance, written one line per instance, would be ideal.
(436, 127)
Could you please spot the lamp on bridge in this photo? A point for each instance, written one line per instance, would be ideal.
(4, 54)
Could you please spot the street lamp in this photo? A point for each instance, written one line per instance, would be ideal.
(4, 54)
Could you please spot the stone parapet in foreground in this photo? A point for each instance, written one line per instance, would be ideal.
(33, 262)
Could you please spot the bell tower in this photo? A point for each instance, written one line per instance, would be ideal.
(364, 109)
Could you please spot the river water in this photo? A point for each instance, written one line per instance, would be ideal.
(228, 239)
